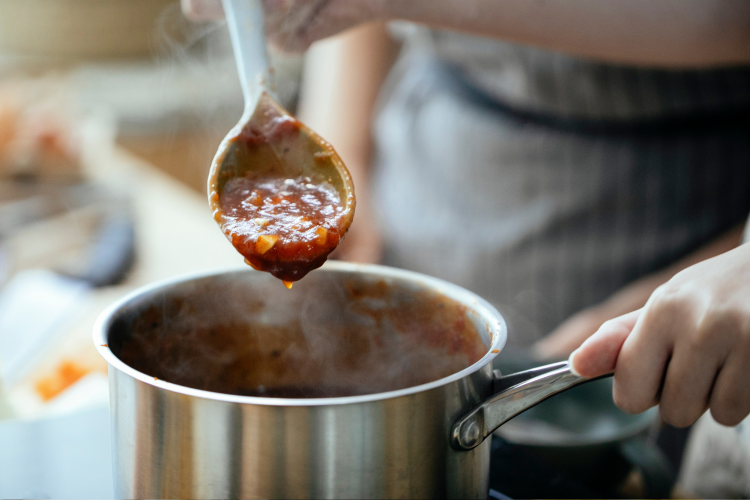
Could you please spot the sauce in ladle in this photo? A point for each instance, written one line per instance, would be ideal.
(281, 223)
(283, 226)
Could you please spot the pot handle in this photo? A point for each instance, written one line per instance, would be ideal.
(513, 394)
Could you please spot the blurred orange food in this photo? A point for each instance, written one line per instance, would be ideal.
(66, 374)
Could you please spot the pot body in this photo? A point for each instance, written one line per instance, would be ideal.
(169, 445)
(171, 441)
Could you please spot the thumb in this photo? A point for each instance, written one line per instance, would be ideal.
(598, 354)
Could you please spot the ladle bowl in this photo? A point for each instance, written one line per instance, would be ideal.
(303, 154)
(269, 144)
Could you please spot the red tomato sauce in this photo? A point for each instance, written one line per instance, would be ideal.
(284, 226)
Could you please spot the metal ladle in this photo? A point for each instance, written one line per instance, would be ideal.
(302, 155)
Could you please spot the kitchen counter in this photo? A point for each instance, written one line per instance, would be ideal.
(175, 234)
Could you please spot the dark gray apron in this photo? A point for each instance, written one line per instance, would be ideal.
(545, 183)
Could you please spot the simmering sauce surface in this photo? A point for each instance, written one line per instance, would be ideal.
(325, 338)
(283, 226)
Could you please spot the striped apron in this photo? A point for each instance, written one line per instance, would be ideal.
(545, 183)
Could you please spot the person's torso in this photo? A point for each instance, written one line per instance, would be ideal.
(545, 183)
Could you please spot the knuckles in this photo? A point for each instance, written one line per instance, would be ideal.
(729, 408)
(679, 415)
(669, 303)
(727, 416)
(629, 403)
(725, 327)
(713, 322)
(705, 320)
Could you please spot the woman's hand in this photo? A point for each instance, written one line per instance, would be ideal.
(292, 25)
(687, 350)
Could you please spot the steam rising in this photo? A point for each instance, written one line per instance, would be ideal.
(331, 335)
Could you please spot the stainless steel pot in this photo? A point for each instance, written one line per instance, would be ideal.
(421, 441)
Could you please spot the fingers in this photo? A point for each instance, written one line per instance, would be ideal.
(286, 21)
(598, 354)
(730, 398)
(688, 349)
(293, 25)
(645, 353)
(710, 367)
(686, 352)
(203, 10)
(688, 381)
(729, 401)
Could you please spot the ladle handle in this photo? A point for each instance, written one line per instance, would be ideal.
(245, 22)
(513, 394)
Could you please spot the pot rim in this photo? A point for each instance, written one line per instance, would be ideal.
(498, 334)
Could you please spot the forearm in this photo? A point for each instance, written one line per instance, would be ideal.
(667, 33)
(572, 332)
(672, 33)
(636, 294)
(342, 81)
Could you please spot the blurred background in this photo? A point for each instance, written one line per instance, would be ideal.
(110, 113)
